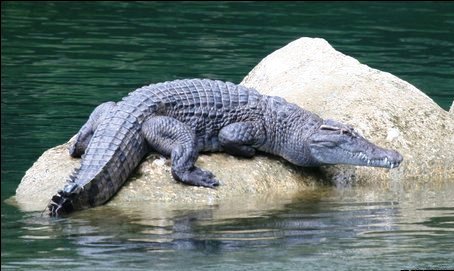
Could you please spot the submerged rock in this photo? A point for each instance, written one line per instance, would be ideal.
(309, 72)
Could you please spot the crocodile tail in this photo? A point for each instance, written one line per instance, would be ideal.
(73, 175)
(60, 204)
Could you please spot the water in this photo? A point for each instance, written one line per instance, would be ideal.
(60, 60)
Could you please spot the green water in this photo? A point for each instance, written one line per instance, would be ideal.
(60, 60)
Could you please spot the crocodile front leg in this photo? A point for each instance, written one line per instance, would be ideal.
(170, 137)
(85, 133)
(242, 138)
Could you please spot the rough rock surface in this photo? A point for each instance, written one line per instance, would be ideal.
(309, 72)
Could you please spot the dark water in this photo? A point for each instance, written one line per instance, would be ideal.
(60, 60)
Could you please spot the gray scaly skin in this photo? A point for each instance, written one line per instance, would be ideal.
(181, 118)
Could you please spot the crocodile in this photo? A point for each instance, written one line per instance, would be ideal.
(181, 118)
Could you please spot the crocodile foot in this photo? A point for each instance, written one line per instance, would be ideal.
(197, 177)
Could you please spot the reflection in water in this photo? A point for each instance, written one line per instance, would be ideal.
(318, 228)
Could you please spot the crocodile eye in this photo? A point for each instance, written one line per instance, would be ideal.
(329, 128)
(347, 131)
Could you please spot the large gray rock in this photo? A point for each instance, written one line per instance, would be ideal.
(385, 109)
(310, 73)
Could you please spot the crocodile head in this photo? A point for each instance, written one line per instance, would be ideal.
(337, 143)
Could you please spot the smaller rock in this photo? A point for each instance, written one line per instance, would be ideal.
(152, 182)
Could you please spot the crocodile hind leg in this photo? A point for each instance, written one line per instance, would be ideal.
(242, 138)
(173, 138)
(85, 133)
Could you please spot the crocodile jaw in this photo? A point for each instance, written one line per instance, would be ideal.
(336, 143)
